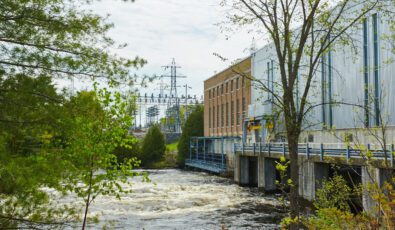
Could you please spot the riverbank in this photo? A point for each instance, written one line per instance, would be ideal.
(169, 159)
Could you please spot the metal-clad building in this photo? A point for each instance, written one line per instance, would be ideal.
(362, 79)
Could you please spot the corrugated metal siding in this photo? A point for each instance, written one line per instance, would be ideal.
(347, 82)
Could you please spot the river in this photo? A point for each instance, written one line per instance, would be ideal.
(178, 199)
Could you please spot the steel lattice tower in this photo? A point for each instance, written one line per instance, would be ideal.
(173, 121)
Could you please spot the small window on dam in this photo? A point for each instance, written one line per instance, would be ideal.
(310, 138)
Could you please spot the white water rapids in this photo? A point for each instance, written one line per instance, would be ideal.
(186, 200)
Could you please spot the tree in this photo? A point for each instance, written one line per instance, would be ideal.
(301, 33)
(153, 147)
(29, 124)
(193, 127)
(43, 40)
(95, 133)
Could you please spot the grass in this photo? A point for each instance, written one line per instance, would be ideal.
(172, 147)
(169, 159)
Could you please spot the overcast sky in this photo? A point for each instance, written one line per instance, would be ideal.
(159, 30)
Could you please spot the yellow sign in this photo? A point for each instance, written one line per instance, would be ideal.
(269, 125)
(255, 127)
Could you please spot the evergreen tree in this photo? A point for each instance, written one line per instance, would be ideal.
(193, 127)
(154, 146)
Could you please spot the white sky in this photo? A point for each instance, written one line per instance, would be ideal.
(159, 30)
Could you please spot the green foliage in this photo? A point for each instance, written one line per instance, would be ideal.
(194, 126)
(334, 194)
(153, 147)
(26, 125)
(58, 38)
(30, 137)
(97, 132)
(336, 219)
(48, 140)
(172, 147)
(169, 160)
(133, 151)
(333, 210)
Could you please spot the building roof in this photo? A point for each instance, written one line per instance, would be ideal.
(227, 68)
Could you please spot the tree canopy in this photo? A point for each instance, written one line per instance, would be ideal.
(59, 39)
(49, 139)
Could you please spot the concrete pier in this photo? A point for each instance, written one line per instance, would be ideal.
(270, 174)
(260, 170)
(248, 171)
(311, 176)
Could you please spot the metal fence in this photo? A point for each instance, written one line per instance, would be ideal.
(317, 149)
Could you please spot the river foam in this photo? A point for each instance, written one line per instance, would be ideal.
(186, 200)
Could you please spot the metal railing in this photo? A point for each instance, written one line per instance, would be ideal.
(208, 161)
(322, 150)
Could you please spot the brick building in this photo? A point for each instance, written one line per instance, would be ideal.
(226, 99)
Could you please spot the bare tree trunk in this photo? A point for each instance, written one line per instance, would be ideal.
(86, 211)
(87, 201)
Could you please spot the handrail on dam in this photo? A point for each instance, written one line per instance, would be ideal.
(318, 149)
(203, 155)
(209, 153)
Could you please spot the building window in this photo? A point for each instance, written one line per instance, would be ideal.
(238, 112)
(213, 94)
(227, 114)
(232, 113)
(218, 124)
(222, 88)
(222, 115)
(213, 116)
(243, 107)
(209, 94)
(217, 91)
(376, 69)
(310, 138)
(226, 87)
(323, 89)
(297, 92)
(330, 87)
(242, 81)
(237, 83)
(231, 85)
(366, 71)
(326, 89)
(209, 117)
(270, 79)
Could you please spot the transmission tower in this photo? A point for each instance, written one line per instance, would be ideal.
(173, 121)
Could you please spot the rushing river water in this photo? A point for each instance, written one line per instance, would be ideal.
(187, 200)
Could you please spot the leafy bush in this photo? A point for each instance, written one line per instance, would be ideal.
(125, 153)
(335, 193)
